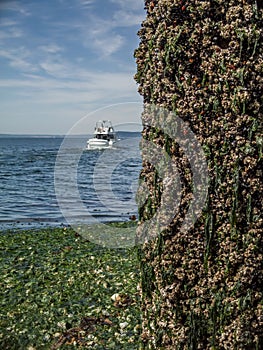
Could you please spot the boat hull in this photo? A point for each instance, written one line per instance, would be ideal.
(99, 144)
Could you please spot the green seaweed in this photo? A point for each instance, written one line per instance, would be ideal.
(52, 280)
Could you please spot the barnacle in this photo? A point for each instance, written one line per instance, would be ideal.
(202, 60)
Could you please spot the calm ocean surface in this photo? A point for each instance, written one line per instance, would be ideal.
(106, 181)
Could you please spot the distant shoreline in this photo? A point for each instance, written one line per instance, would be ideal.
(135, 133)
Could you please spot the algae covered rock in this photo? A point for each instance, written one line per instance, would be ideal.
(200, 66)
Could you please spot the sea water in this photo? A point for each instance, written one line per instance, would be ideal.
(106, 180)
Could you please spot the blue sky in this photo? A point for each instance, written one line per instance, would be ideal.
(62, 60)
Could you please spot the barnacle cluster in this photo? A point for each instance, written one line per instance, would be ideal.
(203, 61)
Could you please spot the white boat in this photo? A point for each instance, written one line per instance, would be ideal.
(104, 135)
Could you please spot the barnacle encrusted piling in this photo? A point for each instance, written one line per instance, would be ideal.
(203, 61)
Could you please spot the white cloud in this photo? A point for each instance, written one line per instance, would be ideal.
(18, 58)
(107, 43)
(86, 3)
(22, 64)
(132, 5)
(6, 22)
(51, 48)
(54, 69)
(11, 33)
(102, 34)
(15, 6)
(124, 18)
(92, 88)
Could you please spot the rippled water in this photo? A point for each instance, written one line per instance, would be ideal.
(105, 181)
